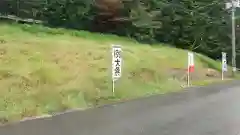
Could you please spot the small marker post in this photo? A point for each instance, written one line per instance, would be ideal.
(190, 67)
(116, 65)
(224, 64)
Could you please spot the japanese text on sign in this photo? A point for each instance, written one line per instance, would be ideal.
(116, 62)
(224, 62)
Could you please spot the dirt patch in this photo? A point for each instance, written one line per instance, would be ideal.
(199, 74)
(143, 74)
(178, 73)
(212, 73)
(3, 121)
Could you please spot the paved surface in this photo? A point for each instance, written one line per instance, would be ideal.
(214, 110)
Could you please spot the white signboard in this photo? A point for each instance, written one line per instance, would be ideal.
(235, 3)
(224, 62)
(116, 62)
(190, 62)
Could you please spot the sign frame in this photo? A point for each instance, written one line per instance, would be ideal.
(116, 64)
(224, 64)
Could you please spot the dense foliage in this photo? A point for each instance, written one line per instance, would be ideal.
(203, 25)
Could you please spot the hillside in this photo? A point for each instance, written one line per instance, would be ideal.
(43, 70)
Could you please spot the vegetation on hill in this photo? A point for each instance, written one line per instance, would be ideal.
(44, 70)
(202, 26)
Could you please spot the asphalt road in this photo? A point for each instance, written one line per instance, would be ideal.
(213, 110)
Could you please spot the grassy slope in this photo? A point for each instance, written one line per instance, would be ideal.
(45, 70)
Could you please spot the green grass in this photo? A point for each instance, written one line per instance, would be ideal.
(44, 70)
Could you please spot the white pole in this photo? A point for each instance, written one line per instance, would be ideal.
(188, 78)
(222, 67)
(233, 39)
(113, 87)
(222, 75)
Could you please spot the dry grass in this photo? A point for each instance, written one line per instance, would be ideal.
(45, 70)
